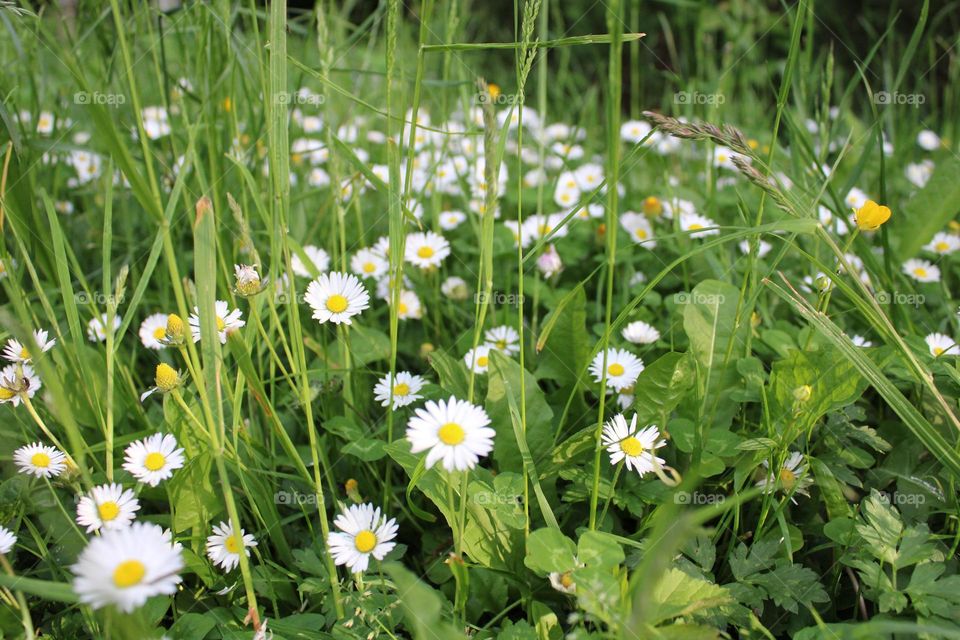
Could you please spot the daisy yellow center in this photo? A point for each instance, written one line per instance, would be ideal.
(129, 573)
(401, 389)
(154, 461)
(566, 580)
(616, 369)
(501, 344)
(920, 272)
(221, 325)
(6, 394)
(365, 541)
(232, 544)
(160, 333)
(695, 226)
(937, 351)
(425, 252)
(402, 309)
(545, 228)
(40, 459)
(336, 303)
(787, 478)
(722, 157)
(631, 446)
(641, 233)
(24, 354)
(108, 511)
(369, 267)
(451, 434)
(483, 361)
(166, 377)
(941, 246)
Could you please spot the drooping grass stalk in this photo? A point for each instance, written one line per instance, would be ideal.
(614, 90)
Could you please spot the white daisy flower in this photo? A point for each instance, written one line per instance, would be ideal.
(943, 243)
(928, 140)
(635, 130)
(450, 220)
(792, 478)
(426, 250)
(409, 306)
(336, 297)
(153, 331)
(40, 460)
(504, 339)
(108, 506)
(566, 196)
(639, 332)
(856, 198)
(631, 445)
(227, 321)
(45, 123)
(15, 351)
(623, 368)
(368, 263)
(563, 582)
(694, 222)
(588, 176)
(247, 281)
(455, 432)
(125, 567)
(942, 345)
(153, 459)
(319, 261)
(763, 247)
(223, 546)
(97, 327)
(478, 359)
(364, 532)
(455, 288)
(677, 207)
(922, 270)
(723, 157)
(639, 228)
(17, 380)
(860, 341)
(405, 387)
(7, 540)
(918, 173)
(549, 262)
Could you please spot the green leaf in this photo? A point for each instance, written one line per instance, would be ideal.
(717, 341)
(929, 210)
(422, 606)
(679, 594)
(563, 344)
(550, 551)
(662, 385)
(596, 548)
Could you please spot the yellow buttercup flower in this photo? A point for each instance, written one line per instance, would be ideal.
(871, 215)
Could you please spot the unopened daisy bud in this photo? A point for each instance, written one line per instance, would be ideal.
(166, 378)
(652, 207)
(803, 393)
(426, 349)
(248, 280)
(755, 320)
(549, 262)
(353, 491)
(174, 334)
(871, 215)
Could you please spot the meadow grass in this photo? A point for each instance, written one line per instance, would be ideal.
(385, 320)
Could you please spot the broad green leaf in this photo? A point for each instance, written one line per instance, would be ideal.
(661, 386)
(422, 606)
(550, 551)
